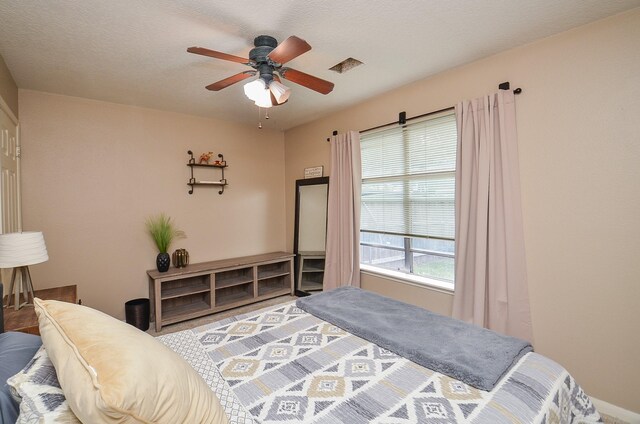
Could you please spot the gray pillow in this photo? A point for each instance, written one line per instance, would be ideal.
(16, 350)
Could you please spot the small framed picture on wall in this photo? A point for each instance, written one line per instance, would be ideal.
(314, 172)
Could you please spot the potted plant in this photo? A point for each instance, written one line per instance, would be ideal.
(163, 232)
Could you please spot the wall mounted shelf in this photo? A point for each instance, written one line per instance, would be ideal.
(222, 164)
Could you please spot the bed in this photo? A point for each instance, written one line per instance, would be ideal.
(284, 365)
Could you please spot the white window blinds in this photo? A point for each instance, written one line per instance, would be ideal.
(408, 178)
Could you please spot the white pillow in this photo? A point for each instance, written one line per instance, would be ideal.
(111, 372)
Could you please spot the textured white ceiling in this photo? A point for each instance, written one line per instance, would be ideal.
(134, 51)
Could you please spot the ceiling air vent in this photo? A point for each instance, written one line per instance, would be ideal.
(345, 65)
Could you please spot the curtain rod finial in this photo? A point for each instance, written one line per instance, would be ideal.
(507, 86)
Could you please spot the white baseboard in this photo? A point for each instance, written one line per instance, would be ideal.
(616, 411)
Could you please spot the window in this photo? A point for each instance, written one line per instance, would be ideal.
(408, 188)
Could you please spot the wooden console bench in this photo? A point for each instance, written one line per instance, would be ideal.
(209, 287)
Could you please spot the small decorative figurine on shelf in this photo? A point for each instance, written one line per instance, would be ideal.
(205, 157)
(180, 258)
(218, 163)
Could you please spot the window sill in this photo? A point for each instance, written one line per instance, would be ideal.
(413, 280)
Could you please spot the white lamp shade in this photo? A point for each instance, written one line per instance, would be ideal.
(254, 88)
(280, 91)
(22, 249)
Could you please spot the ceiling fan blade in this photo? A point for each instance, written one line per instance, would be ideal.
(217, 86)
(218, 55)
(306, 80)
(289, 49)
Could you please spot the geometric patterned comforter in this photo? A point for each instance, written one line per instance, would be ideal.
(283, 365)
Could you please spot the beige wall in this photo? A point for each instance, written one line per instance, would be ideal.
(438, 301)
(579, 138)
(93, 171)
(8, 88)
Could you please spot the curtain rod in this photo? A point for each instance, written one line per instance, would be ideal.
(402, 116)
(402, 119)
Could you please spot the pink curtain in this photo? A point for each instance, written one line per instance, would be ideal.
(490, 271)
(342, 262)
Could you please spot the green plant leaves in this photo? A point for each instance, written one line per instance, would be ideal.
(163, 231)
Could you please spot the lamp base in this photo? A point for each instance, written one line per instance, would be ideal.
(17, 288)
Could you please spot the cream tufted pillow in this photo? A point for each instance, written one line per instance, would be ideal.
(111, 372)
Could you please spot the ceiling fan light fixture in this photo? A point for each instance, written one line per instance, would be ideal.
(255, 89)
(263, 98)
(280, 91)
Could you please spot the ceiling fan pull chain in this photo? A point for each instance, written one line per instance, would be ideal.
(259, 118)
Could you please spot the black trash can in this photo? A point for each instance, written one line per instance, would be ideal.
(137, 313)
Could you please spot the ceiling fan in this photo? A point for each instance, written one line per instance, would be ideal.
(267, 59)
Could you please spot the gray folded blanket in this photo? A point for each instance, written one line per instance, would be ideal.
(474, 355)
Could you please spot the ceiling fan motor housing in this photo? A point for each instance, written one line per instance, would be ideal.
(265, 40)
(264, 44)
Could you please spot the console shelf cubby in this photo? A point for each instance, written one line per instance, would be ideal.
(310, 270)
(210, 287)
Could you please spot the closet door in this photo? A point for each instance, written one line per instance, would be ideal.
(9, 166)
(10, 212)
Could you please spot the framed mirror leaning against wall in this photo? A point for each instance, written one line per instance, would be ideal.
(310, 234)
